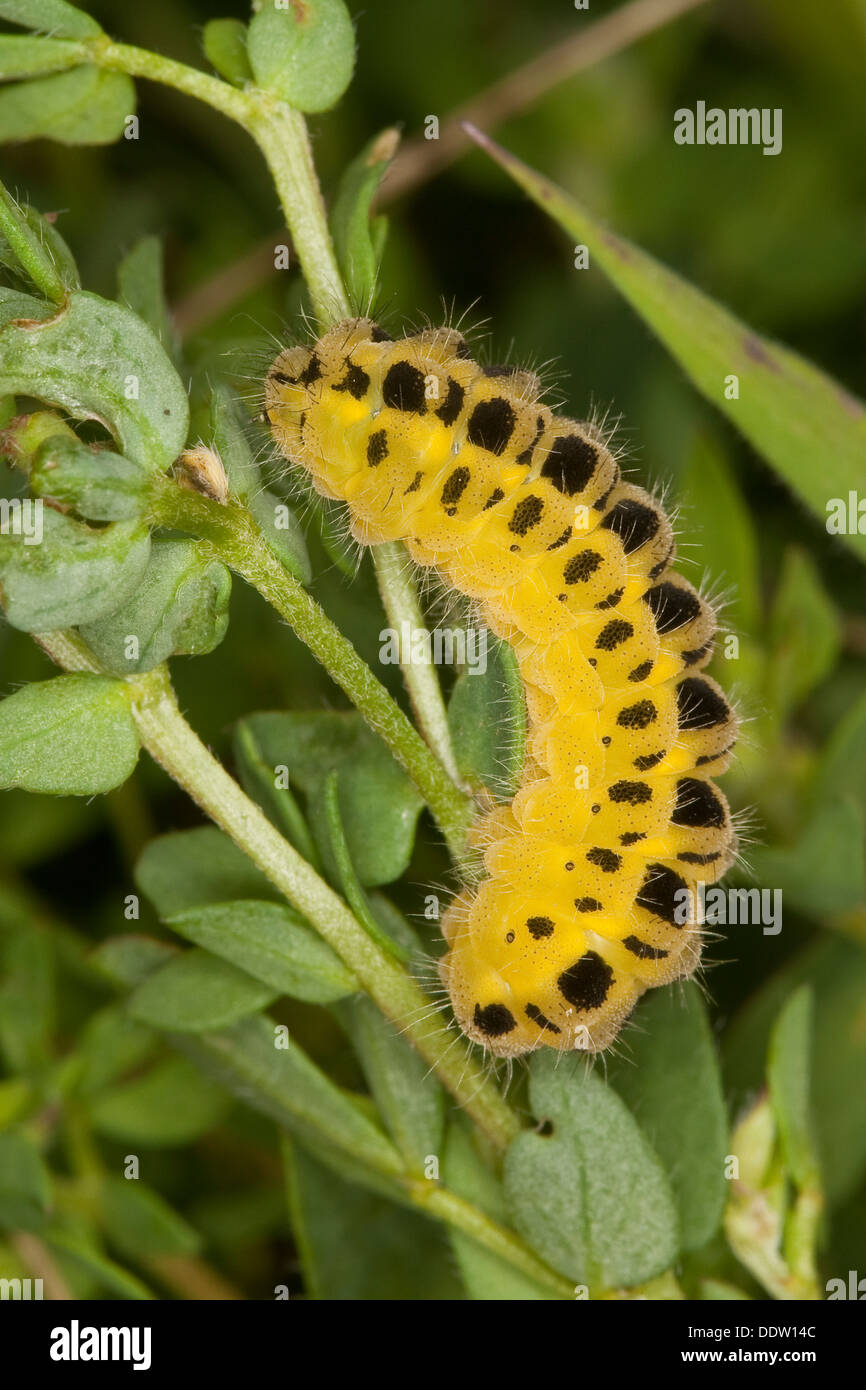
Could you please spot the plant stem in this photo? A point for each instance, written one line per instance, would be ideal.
(281, 134)
(400, 598)
(447, 1206)
(238, 542)
(173, 744)
(29, 249)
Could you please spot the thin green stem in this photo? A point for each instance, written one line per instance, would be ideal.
(140, 62)
(28, 249)
(457, 1212)
(173, 744)
(400, 598)
(281, 134)
(238, 542)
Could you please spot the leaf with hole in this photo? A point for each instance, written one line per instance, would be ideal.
(591, 1197)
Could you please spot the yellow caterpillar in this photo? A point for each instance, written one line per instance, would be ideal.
(525, 513)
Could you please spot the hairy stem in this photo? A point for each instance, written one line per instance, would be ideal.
(281, 134)
(172, 743)
(400, 600)
(28, 249)
(177, 748)
(238, 542)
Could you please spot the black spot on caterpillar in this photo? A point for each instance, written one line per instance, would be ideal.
(526, 514)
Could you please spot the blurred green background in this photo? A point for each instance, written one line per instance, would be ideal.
(781, 241)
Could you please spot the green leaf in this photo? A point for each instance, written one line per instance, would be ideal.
(15, 305)
(99, 361)
(716, 517)
(100, 485)
(69, 574)
(485, 1275)
(282, 531)
(53, 16)
(271, 943)
(232, 445)
(805, 634)
(282, 1082)
(836, 973)
(313, 745)
(842, 770)
(193, 868)
(22, 56)
(487, 717)
(127, 960)
(25, 1183)
(70, 736)
(347, 879)
(140, 287)
(197, 991)
(86, 106)
(591, 1197)
(111, 1044)
(172, 1105)
(304, 54)
(27, 998)
(716, 1290)
(350, 219)
(225, 46)
(180, 608)
(397, 1253)
(330, 519)
(789, 1076)
(140, 1224)
(33, 251)
(791, 412)
(668, 1075)
(274, 797)
(823, 872)
(406, 1092)
(108, 1273)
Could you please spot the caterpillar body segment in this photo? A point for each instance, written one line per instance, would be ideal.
(591, 870)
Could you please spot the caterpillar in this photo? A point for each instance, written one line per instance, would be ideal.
(526, 513)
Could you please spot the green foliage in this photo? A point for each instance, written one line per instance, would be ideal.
(54, 16)
(139, 1019)
(70, 736)
(25, 1184)
(180, 607)
(99, 485)
(789, 410)
(311, 746)
(487, 715)
(353, 233)
(101, 362)
(271, 943)
(85, 106)
(587, 1190)
(304, 53)
(76, 574)
(670, 1078)
(225, 45)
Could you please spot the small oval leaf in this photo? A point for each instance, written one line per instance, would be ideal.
(196, 991)
(70, 736)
